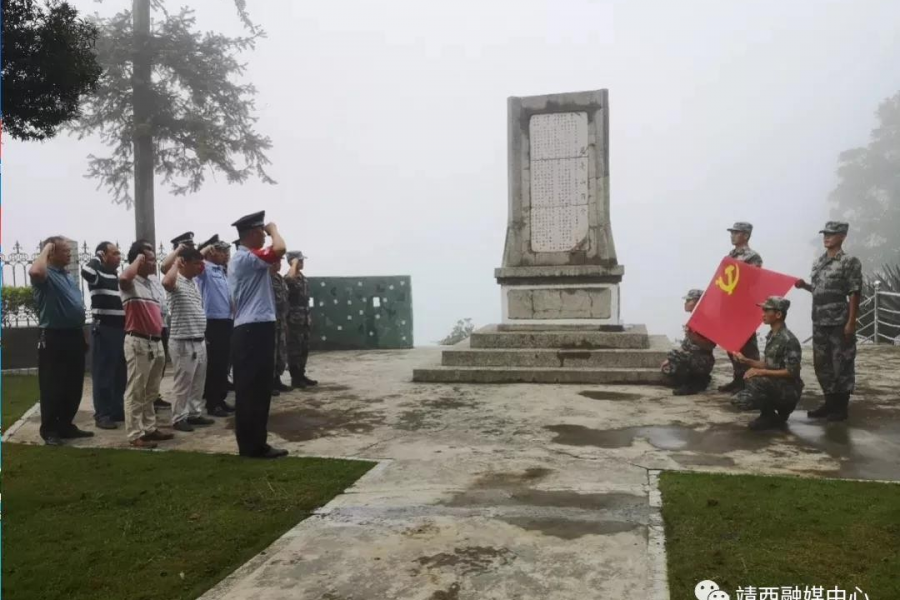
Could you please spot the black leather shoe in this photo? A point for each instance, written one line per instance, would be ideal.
(53, 440)
(218, 412)
(309, 381)
(160, 403)
(764, 422)
(200, 421)
(273, 453)
(279, 385)
(73, 433)
(824, 409)
(839, 410)
(734, 386)
(106, 424)
(183, 426)
(299, 384)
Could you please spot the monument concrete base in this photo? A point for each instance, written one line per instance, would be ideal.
(549, 354)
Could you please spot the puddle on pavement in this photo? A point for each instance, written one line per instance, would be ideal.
(451, 593)
(569, 529)
(866, 447)
(308, 423)
(513, 490)
(602, 395)
(466, 560)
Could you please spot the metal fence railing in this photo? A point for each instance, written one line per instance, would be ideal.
(15, 273)
(879, 318)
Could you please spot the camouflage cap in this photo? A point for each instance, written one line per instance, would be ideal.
(775, 303)
(694, 294)
(836, 227)
(742, 226)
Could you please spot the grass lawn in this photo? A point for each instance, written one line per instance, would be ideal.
(92, 524)
(743, 530)
(20, 392)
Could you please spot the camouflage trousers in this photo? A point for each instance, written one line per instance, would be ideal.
(683, 366)
(750, 350)
(835, 359)
(280, 347)
(297, 349)
(769, 394)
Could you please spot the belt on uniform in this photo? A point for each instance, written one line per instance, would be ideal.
(196, 339)
(152, 338)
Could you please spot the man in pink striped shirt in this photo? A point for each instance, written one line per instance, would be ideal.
(144, 352)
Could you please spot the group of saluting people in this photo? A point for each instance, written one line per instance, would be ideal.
(211, 313)
(771, 383)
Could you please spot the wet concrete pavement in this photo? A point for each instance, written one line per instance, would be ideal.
(515, 491)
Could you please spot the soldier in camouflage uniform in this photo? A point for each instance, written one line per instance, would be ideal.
(773, 384)
(281, 310)
(688, 368)
(835, 283)
(299, 321)
(740, 238)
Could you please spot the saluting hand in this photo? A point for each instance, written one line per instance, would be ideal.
(800, 284)
(270, 227)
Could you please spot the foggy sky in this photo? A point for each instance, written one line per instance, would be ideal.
(389, 129)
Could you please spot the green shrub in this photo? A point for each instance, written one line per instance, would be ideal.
(17, 305)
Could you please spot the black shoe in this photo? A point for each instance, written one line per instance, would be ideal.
(839, 411)
(183, 425)
(824, 409)
(106, 424)
(685, 390)
(275, 392)
(53, 440)
(309, 381)
(784, 414)
(764, 422)
(201, 421)
(74, 433)
(272, 453)
(735, 386)
(218, 412)
(299, 384)
(279, 385)
(160, 403)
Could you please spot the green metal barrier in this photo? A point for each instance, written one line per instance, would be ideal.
(356, 313)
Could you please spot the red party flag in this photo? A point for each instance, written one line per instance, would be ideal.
(728, 313)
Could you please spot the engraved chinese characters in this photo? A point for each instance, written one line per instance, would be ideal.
(559, 181)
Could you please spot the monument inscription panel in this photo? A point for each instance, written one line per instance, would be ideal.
(559, 180)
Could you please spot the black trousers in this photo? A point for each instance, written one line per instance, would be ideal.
(253, 357)
(218, 349)
(61, 354)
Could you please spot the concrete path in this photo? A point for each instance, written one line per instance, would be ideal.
(514, 491)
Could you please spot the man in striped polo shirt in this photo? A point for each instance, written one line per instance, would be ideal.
(144, 351)
(187, 344)
(108, 370)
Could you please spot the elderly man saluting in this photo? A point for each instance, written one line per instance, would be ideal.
(253, 338)
(62, 345)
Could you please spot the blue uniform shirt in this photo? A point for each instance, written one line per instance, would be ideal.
(213, 284)
(59, 301)
(251, 288)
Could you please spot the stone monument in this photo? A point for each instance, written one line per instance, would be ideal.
(559, 262)
(560, 275)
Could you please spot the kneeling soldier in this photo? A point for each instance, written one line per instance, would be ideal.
(689, 367)
(773, 385)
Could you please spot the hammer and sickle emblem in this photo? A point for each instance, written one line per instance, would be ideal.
(732, 274)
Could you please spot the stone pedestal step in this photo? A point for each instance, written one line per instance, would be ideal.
(553, 358)
(537, 375)
(633, 338)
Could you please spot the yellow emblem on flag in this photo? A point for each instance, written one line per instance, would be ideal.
(732, 274)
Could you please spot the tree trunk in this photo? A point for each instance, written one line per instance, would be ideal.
(142, 102)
